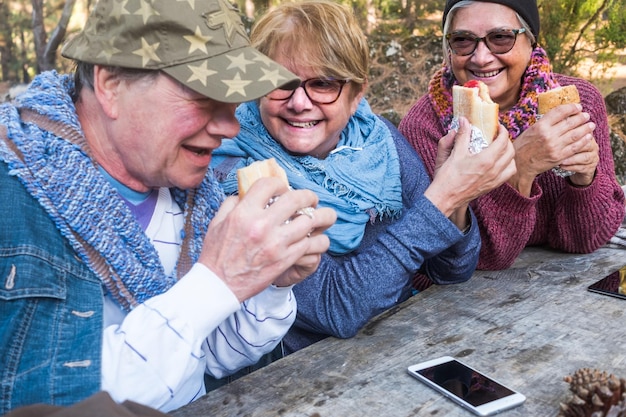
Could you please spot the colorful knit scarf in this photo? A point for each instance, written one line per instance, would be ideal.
(537, 78)
(45, 148)
(359, 179)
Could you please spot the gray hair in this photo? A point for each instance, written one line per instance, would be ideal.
(83, 75)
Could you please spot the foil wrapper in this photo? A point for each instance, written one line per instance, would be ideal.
(477, 140)
(562, 172)
(306, 211)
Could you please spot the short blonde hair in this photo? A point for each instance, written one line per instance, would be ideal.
(319, 34)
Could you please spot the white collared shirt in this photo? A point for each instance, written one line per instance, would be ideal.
(158, 353)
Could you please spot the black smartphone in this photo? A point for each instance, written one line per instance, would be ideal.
(613, 284)
(466, 386)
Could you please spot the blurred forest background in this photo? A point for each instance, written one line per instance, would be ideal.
(582, 37)
(572, 31)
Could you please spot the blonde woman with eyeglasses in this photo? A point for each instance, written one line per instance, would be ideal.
(564, 194)
(391, 221)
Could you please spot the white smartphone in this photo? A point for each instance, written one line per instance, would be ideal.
(466, 386)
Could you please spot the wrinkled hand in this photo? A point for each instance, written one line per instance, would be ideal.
(249, 245)
(461, 176)
(563, 137)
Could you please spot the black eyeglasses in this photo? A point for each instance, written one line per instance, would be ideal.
(318, 90)
(499, 41)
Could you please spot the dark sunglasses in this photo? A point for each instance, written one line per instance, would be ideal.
(499, 41)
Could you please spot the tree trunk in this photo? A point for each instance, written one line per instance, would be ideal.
(46, 50)
(56, 38)
(24, 66)
(7, 61)
(39, 33)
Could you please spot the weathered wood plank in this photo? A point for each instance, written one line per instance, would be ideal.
(527, 326)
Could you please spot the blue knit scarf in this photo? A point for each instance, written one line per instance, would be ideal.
(49, 155)
(360, 179)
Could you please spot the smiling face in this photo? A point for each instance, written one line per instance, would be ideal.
(314, 40)
(501, 72)
(160, 133)
(304, 127)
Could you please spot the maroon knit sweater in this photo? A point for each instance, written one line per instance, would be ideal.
(557, 214)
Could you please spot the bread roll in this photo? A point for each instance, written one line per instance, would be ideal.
(472, 101)
(259, 169)
(557, 96)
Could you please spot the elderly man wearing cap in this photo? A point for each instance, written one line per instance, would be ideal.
(495, 41)
(121, 268)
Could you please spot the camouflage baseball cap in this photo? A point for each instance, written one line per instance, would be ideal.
(201, 43)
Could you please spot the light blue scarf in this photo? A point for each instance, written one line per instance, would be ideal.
(47, 152)
(360, 179)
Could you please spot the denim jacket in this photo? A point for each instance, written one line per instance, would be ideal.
(51, 308)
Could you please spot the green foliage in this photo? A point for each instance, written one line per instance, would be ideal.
(575, 30)
(614, 32)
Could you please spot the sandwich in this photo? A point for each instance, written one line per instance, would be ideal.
(259, 169)
(548, 100)
(267, 168)
(473, 102)
(557, 96)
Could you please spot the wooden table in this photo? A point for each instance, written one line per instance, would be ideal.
(527, 327)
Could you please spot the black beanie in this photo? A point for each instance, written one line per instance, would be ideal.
(525, 8)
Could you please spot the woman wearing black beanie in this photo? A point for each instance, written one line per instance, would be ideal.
(527, 9)
(496, 42)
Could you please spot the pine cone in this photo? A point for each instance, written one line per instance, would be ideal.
(595, 394)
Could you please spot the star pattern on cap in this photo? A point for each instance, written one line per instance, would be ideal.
(119, 9)
(192, 3)
(82, 49)
(239, 61)
(147, 52)
(90, 29)
(263, 59)
(197, 41)
(145, 11)
(236, 85)
(229, 19)
(108, 50)
(272, 76)
(201, 73)
(207, 49)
